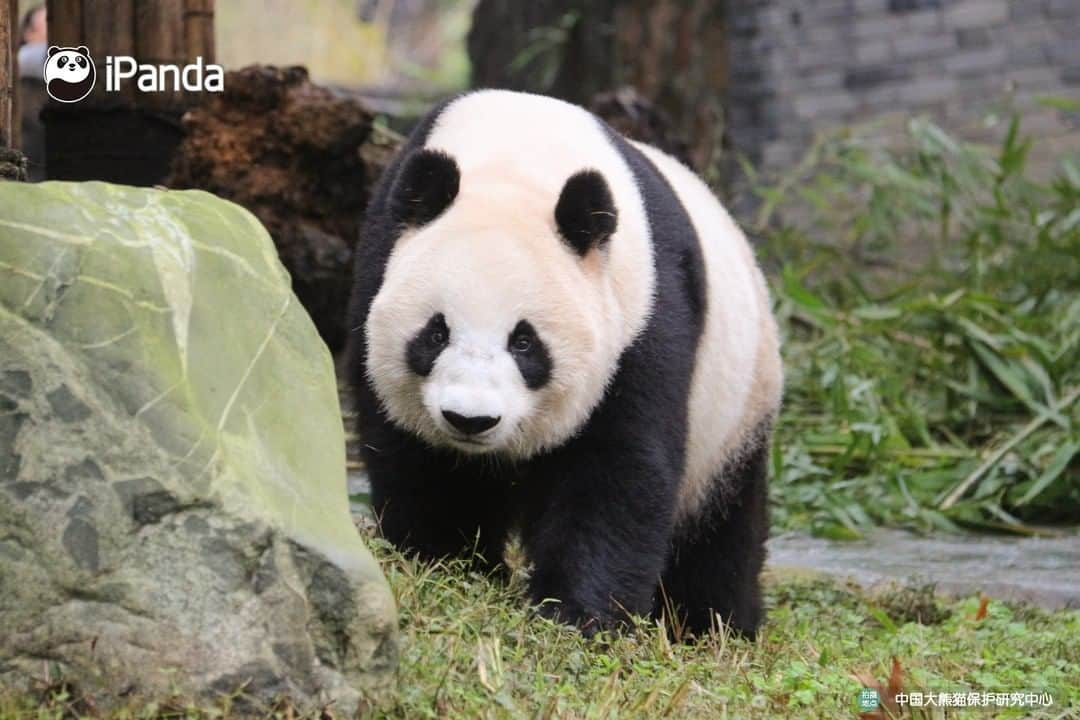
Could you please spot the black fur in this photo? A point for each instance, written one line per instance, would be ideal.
(534, 363)
(716, 559)
(424, 349)
(585, 213)
(596, 514)
(425, 185)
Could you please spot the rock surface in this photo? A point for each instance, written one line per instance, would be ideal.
(173, 510)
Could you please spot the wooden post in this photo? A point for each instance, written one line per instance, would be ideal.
(10, 120)
(199, 30)
(159, 40)
(108, 28)
(65, 21)
(127, 135)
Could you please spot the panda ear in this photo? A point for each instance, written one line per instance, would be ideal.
(585, 213)
(424, 187)
(53, 49)
(82, 49)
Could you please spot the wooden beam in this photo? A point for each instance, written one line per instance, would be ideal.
(9, 74)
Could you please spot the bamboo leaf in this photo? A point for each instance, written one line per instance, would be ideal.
(1053, 470)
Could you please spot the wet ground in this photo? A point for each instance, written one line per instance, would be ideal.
(1041, 571)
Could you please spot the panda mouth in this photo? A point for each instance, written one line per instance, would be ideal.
(467, 440)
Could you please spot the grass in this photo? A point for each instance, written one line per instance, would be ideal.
(471, 649)
(929, 302)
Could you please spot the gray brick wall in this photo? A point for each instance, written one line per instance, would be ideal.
(802, 66)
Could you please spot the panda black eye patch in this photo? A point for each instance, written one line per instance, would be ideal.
(427, 344)
(531, 355)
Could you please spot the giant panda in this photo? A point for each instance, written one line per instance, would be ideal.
(560, 332)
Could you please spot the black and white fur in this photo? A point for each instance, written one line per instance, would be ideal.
(561, 331)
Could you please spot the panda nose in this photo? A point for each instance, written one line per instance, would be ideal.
(470, 425)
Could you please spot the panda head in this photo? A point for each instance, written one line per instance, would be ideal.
(69, 73)
(492, 332)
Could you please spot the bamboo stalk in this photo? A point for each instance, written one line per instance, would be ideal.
(832, 449)
(1036, 422)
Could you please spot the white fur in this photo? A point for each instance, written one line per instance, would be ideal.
(494, 258)
(736, 382)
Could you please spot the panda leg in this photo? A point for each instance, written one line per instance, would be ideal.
(715, 564)
(438, 514)
(597, 534)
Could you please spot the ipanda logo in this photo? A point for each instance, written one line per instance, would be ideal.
(70, 74)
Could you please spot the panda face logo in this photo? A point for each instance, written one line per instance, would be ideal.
(69, 73)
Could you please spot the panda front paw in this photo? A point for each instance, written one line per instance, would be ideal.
(573, 614)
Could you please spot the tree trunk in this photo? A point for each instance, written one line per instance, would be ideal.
(557, 47)
(674, 53)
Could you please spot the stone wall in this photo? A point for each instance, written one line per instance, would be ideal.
(801, 66)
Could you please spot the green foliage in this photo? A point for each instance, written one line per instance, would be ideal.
(931, 320)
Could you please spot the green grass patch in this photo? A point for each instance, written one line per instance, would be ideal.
(470, 648)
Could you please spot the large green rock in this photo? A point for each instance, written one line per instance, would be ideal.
(173, 512)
